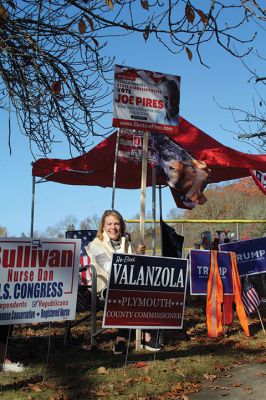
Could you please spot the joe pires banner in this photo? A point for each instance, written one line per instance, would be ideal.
(39, 279)
(146, 100)
(146, 292)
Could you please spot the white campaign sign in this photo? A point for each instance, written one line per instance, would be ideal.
(39, 280)
(146, 100)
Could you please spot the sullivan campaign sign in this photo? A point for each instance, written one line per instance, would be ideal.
(250, 255)
(200, 268)
(39, 279)
(146, 100)
(146, 292)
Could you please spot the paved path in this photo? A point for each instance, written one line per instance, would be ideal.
(243, 382)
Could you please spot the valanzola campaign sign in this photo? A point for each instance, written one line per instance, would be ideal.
(146, 292)
(146, 100)
(39, 280)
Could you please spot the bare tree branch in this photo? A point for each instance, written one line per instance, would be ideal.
(54, 72)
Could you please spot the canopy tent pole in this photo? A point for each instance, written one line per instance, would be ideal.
(32, 207)
(143, 207)
(115, 168)
(154, 211)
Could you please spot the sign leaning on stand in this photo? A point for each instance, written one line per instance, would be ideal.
(200, 269)
(146, 292)
(39, 280)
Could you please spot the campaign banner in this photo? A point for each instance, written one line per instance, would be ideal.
(130, 148)
(146, 100)
(186, 176)
(200, 268)
(39, 280)
(146, 292)
(250, 255)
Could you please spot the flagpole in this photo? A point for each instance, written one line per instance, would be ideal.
(143, 206)
(261, 321)
(143, 185)
(115, 168)
(161, 217)
(154, 211)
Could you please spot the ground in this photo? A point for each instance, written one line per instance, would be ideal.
(189, 365)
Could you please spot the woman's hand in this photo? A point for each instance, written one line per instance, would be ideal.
(140, 249)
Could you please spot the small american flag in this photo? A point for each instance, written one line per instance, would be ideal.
(86, 236)
(250, 296)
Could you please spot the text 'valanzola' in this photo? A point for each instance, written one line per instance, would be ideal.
(148, 276)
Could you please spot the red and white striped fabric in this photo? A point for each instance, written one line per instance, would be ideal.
(85, 277)
(250, 296)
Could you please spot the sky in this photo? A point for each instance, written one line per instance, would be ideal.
(226, 81)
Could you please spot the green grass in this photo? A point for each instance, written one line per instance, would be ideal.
(78, 372)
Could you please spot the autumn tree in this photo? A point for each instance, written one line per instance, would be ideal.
(239, 200)
(55, 74)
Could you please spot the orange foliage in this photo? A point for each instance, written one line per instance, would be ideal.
(246, 186)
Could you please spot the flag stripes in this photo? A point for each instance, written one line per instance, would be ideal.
(250, 296)
(86, 236)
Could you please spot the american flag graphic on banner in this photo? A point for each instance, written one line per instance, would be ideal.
(250, 297)
(259, 178)
(86, 236)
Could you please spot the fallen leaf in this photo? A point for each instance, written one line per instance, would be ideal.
(260, 373)
(147, 379)
(261, 360)
(210, 377)
(127, 381)
(177, 388)
(99, 393)
(236, 384)
(248, 388)
(34, 388)
(179, 373)
(139, 364)
(102, 371)
(224, 388)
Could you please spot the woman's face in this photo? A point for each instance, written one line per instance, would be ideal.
(112, 227)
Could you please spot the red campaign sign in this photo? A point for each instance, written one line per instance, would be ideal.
(146, 292)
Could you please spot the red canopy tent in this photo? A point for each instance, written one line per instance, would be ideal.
(95, 168)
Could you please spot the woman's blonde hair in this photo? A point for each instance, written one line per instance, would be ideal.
(110, 213)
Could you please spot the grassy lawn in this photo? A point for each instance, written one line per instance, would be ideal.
(76, 371)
